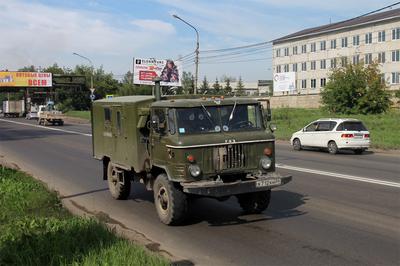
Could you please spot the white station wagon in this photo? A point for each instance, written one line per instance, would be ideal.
(333, 134)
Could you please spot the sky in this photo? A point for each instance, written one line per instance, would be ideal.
(112, 33)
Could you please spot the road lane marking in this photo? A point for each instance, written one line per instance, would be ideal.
(342, 176)
(48, 128)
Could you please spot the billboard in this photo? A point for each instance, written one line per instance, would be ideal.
(284, 81)
(145, 70)
(25, 79)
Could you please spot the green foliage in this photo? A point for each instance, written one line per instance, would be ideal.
(205, 87)
(79, 114)
(187, 83)
(36, 230)
(384, 127)
(227, 87)
(356, 89)
(216, 87)
(240, 88)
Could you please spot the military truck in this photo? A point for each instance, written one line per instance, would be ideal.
(183, 148)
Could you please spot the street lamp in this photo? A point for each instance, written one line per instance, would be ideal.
(197, 51)
(91, 76)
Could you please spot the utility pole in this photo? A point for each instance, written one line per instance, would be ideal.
(91, 76)
(196, 51)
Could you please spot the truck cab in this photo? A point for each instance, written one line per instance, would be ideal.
(183, 148)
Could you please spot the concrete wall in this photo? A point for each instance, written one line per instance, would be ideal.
(296, 101)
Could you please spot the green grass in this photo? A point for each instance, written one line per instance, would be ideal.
(36, 230)
(384, 128)
(79, 114)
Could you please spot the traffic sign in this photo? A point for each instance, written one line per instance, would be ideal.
(92, 90)
(92, 97)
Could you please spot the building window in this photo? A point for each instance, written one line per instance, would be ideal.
(395, 77)
(381, 36)
(396, 34)
(313, 83)
(286, 68)
(278, 69)
(304, 49)
(396, 56)
(294, 49)
(381, 57)
(333, 63)
(344, 42)
(304, 66)
(323, 45)
(313, 65)
(286, 51)
(278, 52)
(333, 44)
(323, 64)
(343, 60)
(356, 59)
(303, 83)
(356, 40)
(368, 58)
(313, 47)
(294, 67)
(323, 82)
(368, 38)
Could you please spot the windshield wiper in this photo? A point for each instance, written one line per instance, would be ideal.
(233, 111)
(208, 115)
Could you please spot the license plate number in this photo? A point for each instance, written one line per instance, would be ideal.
(268, 182)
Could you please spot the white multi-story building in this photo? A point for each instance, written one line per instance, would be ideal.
(311, 53)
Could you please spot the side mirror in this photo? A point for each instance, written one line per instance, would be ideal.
(272, 127)
(155, 121)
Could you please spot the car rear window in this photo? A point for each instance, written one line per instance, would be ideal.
(351, 126)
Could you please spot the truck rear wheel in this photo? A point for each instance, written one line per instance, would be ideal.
(255, 202)
(171, 203)
(118, 182)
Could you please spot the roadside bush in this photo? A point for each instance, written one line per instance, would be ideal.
(356, 89)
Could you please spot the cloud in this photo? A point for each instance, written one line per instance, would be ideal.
(153, 25)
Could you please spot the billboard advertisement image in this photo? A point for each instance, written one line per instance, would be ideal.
(284, 81)
(145, 70)
(25, 79)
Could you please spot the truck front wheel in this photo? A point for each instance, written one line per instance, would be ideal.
(118, 182)
(255, 202)
(171, 203)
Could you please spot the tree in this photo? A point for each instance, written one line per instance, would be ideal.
(356, 89)
(216, 87)
(227, 87)
(240, 88)
(187, 83)
(205, 87)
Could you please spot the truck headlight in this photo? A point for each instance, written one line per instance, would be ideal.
(265, 163)
(194, 170)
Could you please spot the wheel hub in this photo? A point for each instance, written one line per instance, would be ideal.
(163, 199)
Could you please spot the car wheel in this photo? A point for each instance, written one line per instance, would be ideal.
(255, 202)
(358, 151)
(119, 183)
(171, 203)
(332, 147)
(297, 145)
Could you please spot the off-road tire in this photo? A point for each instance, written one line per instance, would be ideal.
(297, 145)
(255, 202)
(61, 123)
(359, 151)
(332, 147)
(39, 121)
(119, 186)
(171, 203)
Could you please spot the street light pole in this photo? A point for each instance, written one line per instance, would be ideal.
(197, 52)
(91, 76)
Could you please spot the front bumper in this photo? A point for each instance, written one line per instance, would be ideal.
(220, 189)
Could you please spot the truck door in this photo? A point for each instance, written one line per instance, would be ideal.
(118, 134)
(157, 136)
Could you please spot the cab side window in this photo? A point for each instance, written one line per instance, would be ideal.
(107, 115)
(171, 121)
(312, 127)
(159, 116)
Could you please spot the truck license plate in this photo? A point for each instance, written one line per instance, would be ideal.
(268, 182)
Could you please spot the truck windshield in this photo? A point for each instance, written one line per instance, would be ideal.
(217, 118)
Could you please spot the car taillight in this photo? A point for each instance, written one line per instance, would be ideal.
(366, 135)
(347, 135)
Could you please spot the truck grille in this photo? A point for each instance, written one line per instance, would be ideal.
(229, 157)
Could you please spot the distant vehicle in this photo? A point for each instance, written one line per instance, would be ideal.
(183, 148)
(32, 115)
(13, 108)
(48, 114)
(333, 134)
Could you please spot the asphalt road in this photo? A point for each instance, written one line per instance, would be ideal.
(338, 210)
